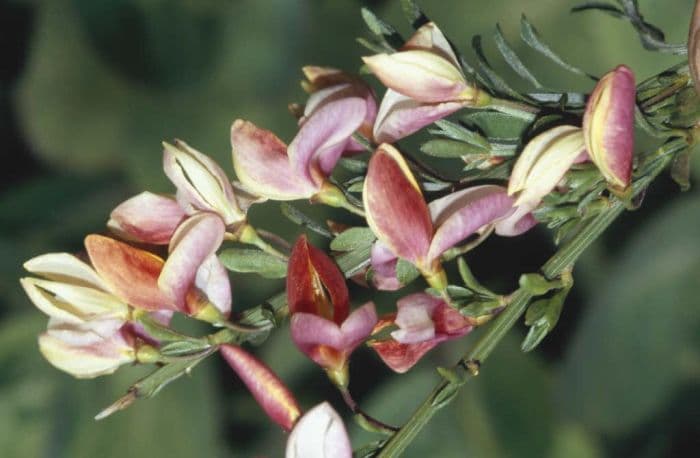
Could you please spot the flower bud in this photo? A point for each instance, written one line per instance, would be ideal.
(543, 163)
(201, 183)
(318, 302)
(270, 392)
(320, 433)
(608, 126)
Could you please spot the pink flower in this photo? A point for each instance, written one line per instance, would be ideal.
(608, 126)
(320, 433)
(270, 169)
(267, 389)
(410, 229)
(424, 84)
(423, 321)
(328, 85)
(319, 305)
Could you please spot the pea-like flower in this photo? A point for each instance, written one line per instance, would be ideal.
(328, 85)
(319, 304)
(543, 163)
(267, 389)
(89, 333)
(410, 229)
(608, 126)
(425, 83)
(270, 169)
(423, 322)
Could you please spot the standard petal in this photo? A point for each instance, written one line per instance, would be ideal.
(147, 218)
(129, 273)
(322, 138)
(270, 392)
(422, 75)
(194, 241)
(315, 284)
(213, 280)
(396, 210)
(320, 433)
(399, 116)
(608, 125)
(64, 267)
(415, 318)
(458, 215)
(358, 326)
(261, 164)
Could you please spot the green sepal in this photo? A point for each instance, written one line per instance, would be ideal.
(248, 260)
(353, 239)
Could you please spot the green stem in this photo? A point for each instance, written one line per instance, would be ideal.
(562, 260)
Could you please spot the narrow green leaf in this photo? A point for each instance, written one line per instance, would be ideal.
(513, 59)
(470, 280)
(481, 308)
(353, 262)
(496, 83)
(378, 48)
(353, 165)
(413, 13)
(447, 148)
(536, 284)
(600, 6)
(532, 38)
(383, 31)
(573, 99)
(497, 126)
(353, 239)
(248, 260)
(458, 132)
(300, 218)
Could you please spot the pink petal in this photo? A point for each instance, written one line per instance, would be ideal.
(396, 210)
(384, 266)
(449, 322)
(261, 164)
(195, 240)
(358, 326)
(270, 392)
(321, 140)
(399, 116)
(213, 280)
(320, 433)
(460, 214)
(415, 318)
(309, 332)
(147, 217)
(517, 222)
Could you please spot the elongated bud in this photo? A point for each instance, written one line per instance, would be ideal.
(270, 392)
(694, 46)
(608, 126)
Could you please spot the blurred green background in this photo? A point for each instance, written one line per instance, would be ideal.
(88, 90)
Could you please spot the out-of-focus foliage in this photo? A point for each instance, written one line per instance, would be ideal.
(102, 82)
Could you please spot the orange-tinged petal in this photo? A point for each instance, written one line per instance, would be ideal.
(128, 272)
